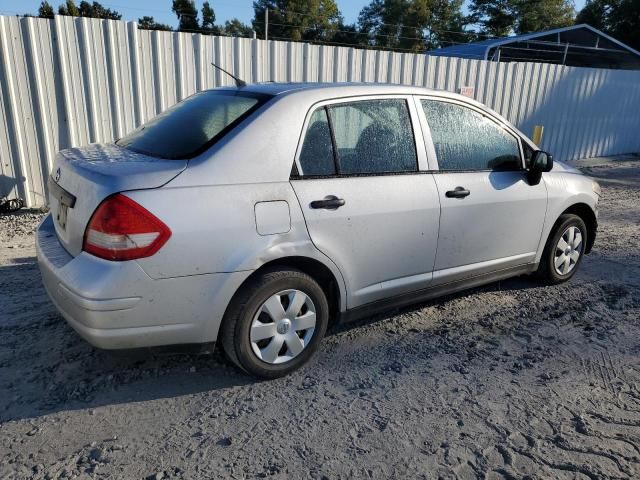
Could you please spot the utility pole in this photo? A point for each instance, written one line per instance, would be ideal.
(266, 24)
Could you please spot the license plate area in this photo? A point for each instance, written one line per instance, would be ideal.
(65, 201)
(61, 217)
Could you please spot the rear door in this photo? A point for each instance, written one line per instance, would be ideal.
(366, 203)
(491, 216)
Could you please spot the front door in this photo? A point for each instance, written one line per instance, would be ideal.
(366, 205)
(491, 216)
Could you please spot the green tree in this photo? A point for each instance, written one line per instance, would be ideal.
(277, 26)
(618, 18)
(96, 10)
(499, 18)
(496, 17)
(45, 10)
(235, 28)
(187, 15)
(543, 15)
(625, 22)
(208, 17)
(149, 23)
(297, 19)
(85, 9)
(596, 14)
(413, 24)
(69, 8)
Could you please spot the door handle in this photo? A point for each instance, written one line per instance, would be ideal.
(459, 192)
(330, 202)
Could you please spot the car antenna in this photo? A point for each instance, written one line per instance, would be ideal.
(239, 82)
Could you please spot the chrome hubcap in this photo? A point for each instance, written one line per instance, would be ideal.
(568, 250)
(283, 326)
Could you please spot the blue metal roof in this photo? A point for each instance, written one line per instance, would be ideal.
(480, 50)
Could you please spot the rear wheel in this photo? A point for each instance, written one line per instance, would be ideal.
(564, 250)
(275, 323)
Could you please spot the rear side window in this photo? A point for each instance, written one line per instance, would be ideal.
(193, 125)
(316, 155)
(374, 136)
(467, 140)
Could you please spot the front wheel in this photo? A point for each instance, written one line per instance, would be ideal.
(564, 250)
(275, 323)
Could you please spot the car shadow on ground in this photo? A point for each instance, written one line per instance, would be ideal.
(46, 367)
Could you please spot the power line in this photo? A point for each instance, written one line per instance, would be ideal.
(450, 42)
(338, 44)
(344, 31)
(426, 53)
(399, 26)
(368, 35)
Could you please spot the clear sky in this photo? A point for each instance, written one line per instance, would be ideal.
(161, 9)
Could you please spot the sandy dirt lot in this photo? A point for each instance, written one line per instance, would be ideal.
(513, 380)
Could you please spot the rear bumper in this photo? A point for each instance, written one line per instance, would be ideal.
(116, 305)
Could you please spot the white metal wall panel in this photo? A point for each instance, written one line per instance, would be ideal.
(146, 82)
(72, 81)
(11, 163)
(224, 58)
(21, 109)
(367, 69)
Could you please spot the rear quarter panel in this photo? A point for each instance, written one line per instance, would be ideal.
(214, 230)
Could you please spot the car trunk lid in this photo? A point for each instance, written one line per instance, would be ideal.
(82, 177)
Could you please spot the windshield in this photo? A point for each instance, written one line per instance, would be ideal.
(193, 125)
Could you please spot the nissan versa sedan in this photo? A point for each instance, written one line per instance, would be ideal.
(257, 216)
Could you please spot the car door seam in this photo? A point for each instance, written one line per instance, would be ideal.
(304, 219)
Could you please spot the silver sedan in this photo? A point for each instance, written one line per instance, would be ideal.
(257, 216)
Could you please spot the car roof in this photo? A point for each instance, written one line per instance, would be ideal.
(330, 90)
(348, 88)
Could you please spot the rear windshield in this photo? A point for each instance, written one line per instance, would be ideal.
(193, 125)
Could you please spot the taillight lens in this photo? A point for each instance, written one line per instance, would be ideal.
(121, 229)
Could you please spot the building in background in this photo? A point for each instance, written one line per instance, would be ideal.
(576, 46)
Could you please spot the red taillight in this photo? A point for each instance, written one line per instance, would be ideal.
(121, 229)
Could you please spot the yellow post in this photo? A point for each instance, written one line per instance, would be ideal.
(538, 130)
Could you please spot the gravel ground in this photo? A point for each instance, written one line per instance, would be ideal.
(512, 380)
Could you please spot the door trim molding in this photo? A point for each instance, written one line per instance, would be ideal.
(462, 272)
(432, 292)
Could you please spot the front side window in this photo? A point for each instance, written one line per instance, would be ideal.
(464, 139)
(192, 125)
(373, 136)
(528, 153)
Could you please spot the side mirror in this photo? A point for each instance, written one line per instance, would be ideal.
(540, 162)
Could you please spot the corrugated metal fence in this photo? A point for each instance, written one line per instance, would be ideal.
(68, 82)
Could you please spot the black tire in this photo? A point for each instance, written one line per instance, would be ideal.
(547, 272)
(236, 325)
